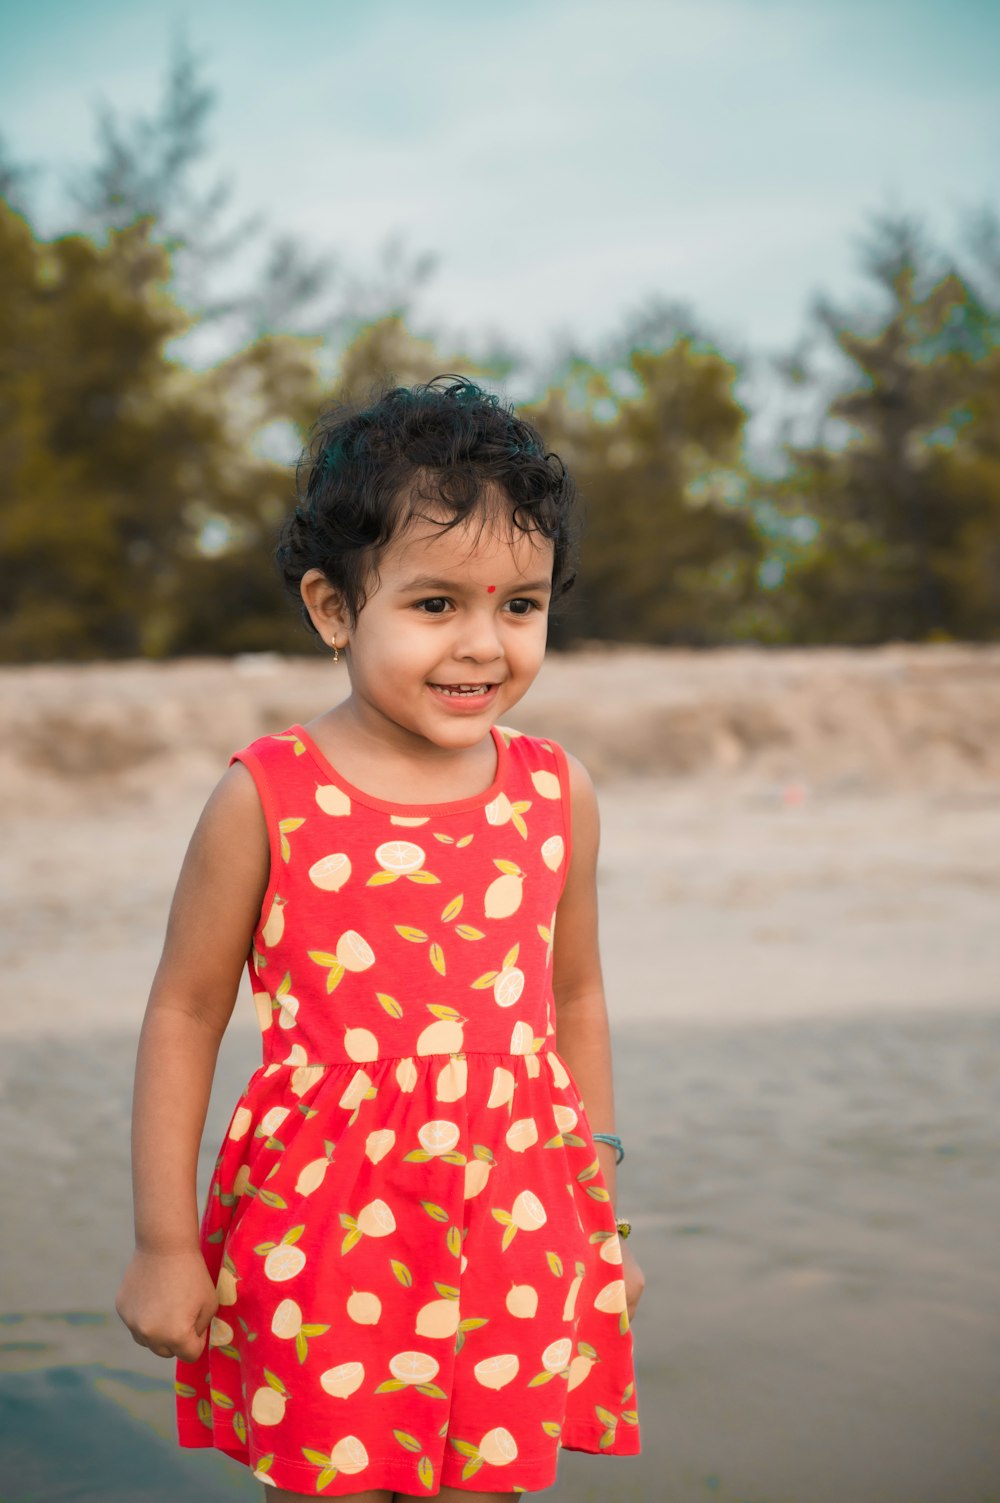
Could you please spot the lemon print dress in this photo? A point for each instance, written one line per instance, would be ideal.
(418, 1270)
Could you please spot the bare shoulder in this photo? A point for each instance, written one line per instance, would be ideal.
(583, 801)
(217, 899)
(232, 816)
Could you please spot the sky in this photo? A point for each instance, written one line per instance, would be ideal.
(564, 160)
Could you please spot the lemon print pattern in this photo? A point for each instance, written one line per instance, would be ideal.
(414, 1249)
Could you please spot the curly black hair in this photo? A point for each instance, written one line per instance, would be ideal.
(455, 446)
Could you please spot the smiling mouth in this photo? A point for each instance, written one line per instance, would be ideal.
(464, 691)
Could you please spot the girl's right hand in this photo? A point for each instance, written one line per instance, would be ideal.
(167, 1300)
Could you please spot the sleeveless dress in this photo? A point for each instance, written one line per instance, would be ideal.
(414, 1246)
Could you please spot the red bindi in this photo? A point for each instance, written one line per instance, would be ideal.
(490, 588)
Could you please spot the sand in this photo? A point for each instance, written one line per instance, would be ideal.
(799, 881)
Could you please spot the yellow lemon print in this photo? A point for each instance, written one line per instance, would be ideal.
(557, 1354)
(579, 1369)
(559, 1072)
(498, 1447)
(569, 1308)
(220, 1333)
(240, 1125)
(477, 1172)
(360, 1044)
(497, 1372)
(406, 1073)
(268, 1406)
(311, 1176)
(378, 1144)
(242, 1179)
(274, 929)
(522, 1301)
(500, 811)
(399, 857)
(283, 1262)
(286, 1323)
(522, 1039)
(288, 1009)
(502, 1091)
(364, 1308)
(263, 1009)
(333, 800)
(565, 1117)
(414, 1367)
(441, 1037)
(503, 896)
(411, 820)
(546, 784)
(611, 1299)
(521, 1134)
(226, 1287)
(527, 1212)
(340, 1382)
(305, 1077)
(553, 851)
(349, 1455)
(376, 1219)
(611, 1250)
(359, 1086)
(439, 1136)
(439, 1317)
(353, 952)
(330, 873)
(508, 986)
(452, 1080)
(272, 1120)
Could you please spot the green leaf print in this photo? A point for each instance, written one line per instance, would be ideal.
(465, 1447)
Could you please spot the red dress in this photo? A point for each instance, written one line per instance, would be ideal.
(414, 1246)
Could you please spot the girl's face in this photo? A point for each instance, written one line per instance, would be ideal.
(452, 634)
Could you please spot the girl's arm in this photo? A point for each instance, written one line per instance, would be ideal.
(583, 1035)
(167, 1298)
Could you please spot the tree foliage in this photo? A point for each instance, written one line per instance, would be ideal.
(908, 508)
(140, 495)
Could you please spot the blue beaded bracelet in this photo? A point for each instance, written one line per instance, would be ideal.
(614, 1140)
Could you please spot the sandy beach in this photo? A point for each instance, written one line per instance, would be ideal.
(799, 882)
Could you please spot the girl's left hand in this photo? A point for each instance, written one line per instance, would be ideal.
(635, 1279)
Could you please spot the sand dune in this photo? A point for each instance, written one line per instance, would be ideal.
(799, 882)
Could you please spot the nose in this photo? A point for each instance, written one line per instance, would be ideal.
(479, 638)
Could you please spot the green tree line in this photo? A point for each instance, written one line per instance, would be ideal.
(140, 493)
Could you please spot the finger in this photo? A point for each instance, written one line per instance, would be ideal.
(191, 1348)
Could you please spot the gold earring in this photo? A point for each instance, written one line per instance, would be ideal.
(336, 654)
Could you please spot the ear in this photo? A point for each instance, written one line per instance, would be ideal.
(325, 605)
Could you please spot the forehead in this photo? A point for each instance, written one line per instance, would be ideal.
(487, 543)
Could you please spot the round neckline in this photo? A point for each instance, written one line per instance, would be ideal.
(394, 806)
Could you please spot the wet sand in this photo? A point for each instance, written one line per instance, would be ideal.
(802, 958)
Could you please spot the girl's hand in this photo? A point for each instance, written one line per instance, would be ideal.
(167, 1300)
(635, 1279)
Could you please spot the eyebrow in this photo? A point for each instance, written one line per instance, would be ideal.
(453, 586)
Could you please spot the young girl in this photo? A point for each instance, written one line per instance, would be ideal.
(409, 1280)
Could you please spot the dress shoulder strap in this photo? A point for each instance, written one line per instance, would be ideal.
(538, 772)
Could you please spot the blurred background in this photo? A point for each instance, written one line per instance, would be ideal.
(739, 260)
